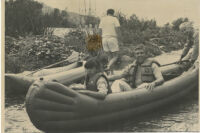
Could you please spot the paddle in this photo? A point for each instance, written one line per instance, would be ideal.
(53, 65)
(175, 62)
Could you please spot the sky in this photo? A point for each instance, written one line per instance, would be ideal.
(163, 11)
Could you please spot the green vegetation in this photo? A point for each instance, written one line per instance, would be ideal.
(34, 52)
(27, 17)
(28, 48)
(166, 38)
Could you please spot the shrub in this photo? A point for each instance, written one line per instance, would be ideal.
(135, 31)
(76, 40)
(35, 52)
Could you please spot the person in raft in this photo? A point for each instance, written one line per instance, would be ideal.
(142, 73)
(96, 83)
(192, 40)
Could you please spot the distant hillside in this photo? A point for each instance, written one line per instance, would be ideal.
(73, 17)
(47, 9)
(82, 19)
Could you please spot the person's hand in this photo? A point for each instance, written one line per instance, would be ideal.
(148, 86)
(108, 70)
(143, 85)
(179, 61)
(191, 61)
(151, 86)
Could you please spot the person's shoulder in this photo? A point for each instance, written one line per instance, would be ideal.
(105, 17)
(150, 61)
(154, 64)
(102, 19)
(101, 79)
(154, 61)
(113, 17)
(110, 17)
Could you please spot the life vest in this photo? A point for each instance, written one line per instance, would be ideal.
(146, 72)
(91, 83)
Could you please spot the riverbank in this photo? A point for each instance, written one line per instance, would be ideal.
(32, 52)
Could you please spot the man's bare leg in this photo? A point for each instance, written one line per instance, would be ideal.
(119, 86)
(113, 58)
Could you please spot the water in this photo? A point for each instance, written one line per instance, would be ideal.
(181, 115)
(16, 118)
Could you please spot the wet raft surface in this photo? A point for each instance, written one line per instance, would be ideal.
(182, 115)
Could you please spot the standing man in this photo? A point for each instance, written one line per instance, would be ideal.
(110, 31)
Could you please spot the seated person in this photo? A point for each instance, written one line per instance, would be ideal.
(96, 83)
(192, 40)
(103, 61)
(141, 73)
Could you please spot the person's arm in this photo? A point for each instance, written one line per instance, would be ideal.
(186, 49)
(195, 50)
(158, 75)
(77, 86)
(123, 74)
(102, 87)
(118, 31)
(114, 77)
(119, 35)
(118, 76)
(184, 53)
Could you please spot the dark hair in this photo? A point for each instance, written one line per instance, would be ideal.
(140, 46)
(102, 59)
(92, 63)
(110, 11)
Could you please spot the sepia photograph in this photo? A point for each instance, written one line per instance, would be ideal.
(100, 66)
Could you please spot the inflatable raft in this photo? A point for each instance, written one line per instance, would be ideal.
(19, 83)
(53, 107)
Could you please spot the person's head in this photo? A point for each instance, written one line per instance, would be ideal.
(140, 52)
(103, 60)
(187, 28)
(110, 12)
(92, 66)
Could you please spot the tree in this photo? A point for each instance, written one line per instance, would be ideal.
(23, 17)
(178, 22)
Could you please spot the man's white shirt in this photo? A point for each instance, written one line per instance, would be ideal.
(108, 25)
